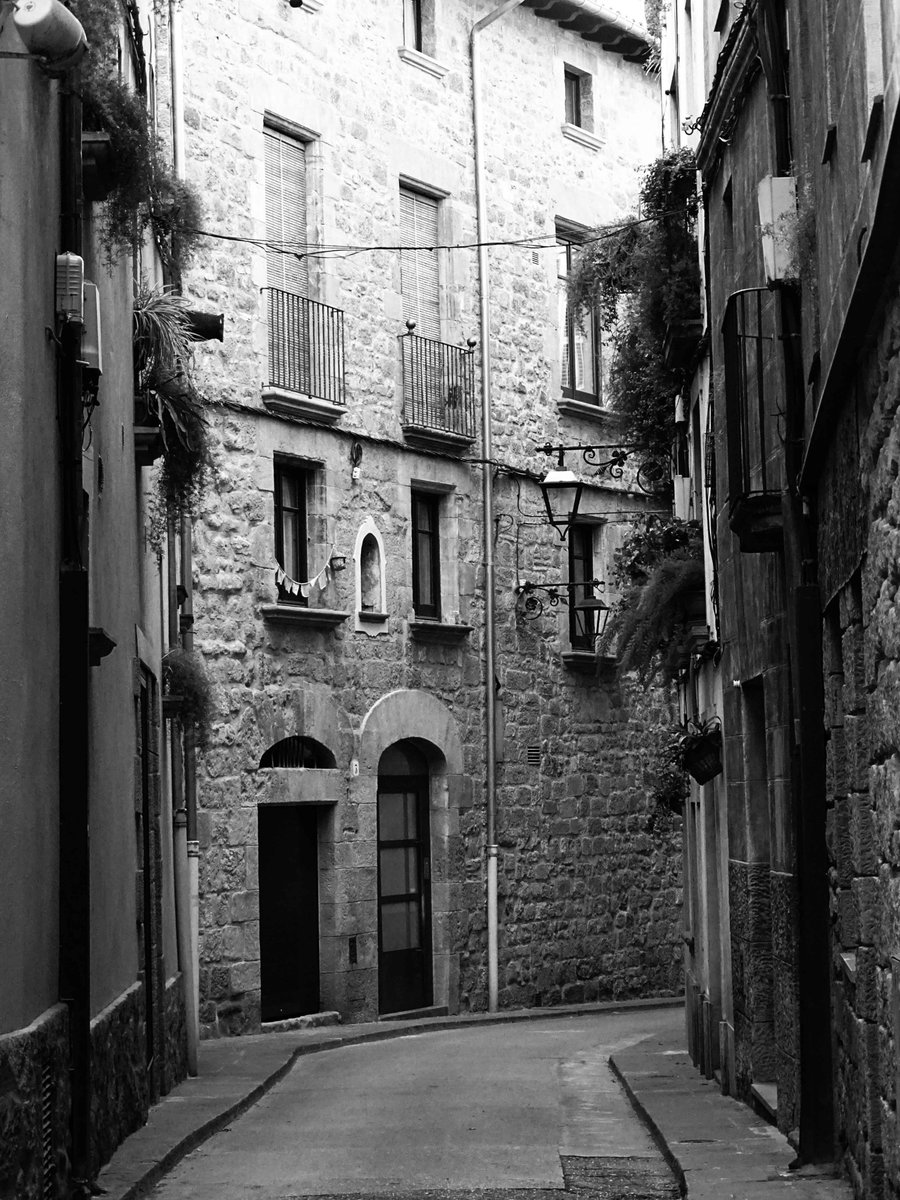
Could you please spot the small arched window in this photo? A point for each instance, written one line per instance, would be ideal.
(370, 574)
(299, 751)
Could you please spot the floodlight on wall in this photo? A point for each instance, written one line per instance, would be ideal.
(49, 30)
(561, 490)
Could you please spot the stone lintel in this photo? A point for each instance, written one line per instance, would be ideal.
(300, 785)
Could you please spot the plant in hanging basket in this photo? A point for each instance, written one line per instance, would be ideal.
(697, 748)
(187, 692)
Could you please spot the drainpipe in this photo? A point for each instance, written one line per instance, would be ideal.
(74, 671)
(180, 841)
(190, 783)
(188, 848)
(484, 295)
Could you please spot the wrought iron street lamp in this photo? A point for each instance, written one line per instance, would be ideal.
(556, 594)
(561, 490)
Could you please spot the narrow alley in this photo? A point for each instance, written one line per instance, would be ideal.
(600, 1102)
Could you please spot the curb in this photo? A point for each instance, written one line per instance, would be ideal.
(653, 1129)
(196, 1137)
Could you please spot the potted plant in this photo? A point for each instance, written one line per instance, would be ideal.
(697, 748)
(186, 691)
(168, 407)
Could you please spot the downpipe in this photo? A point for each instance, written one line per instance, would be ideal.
(490, 657)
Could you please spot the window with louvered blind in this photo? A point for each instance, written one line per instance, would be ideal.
(419, 281)
(285, 212)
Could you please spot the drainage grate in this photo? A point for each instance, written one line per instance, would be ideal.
(48, 1158)
(533, 756)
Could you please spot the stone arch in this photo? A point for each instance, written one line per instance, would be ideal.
(409, 713)
(424, 720)
(307, 712)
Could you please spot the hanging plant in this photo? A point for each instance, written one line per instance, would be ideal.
(186, 684)
(697, 748)
(659, 568)
(143, 193)
(165, 392)
(643, 279)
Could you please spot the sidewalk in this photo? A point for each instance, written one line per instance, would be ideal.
(717, 1145)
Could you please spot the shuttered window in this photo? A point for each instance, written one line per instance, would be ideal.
(419, 270)
(285, 212)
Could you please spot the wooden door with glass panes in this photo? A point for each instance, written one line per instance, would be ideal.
(404, 891)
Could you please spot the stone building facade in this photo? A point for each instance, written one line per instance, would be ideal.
(797, 144)
(342, 795)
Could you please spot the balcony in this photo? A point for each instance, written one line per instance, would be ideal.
(438, 392)
(755, 417)
(306, 357)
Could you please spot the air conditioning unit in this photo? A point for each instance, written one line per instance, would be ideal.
(70, 287)
(91, 337)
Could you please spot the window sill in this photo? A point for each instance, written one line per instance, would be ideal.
(423, 62)
(370, 617)
(582, 408)
(296, 404)
(585, 662)
(439, 632)
(296, 614)
(436, 439)
(584, 138)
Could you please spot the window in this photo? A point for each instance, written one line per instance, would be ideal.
(579, 338)
(426, 552)
(419, 282)
(292, 485)
(581, 571)
(573, 98)
(412, 24)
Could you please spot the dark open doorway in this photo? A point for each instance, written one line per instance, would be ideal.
(288, 910)
(404, 880)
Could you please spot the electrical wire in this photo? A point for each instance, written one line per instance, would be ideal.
(301, 250)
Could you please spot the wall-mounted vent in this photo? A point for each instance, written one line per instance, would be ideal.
(533, 756)
(535, 257)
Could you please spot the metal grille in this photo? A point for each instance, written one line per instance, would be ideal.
(533, 756)
(48, 1157)
(753, 385)
(306, 346)
(438, 385)
(298, 751)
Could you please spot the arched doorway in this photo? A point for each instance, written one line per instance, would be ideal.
(404, 880)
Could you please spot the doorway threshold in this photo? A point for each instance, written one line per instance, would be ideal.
(764, 1097)
(414, 1014)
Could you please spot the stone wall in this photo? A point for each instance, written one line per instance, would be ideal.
(589, 905)
(34, 1107)
(862, 665)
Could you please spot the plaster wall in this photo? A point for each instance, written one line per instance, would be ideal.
(29, 499)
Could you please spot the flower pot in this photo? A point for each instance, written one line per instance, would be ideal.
(703, 760)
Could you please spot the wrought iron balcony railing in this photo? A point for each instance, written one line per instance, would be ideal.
(306, 346)
(438, 386)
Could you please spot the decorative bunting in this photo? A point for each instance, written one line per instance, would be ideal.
(294, 586)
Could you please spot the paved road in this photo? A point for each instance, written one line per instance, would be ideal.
(530, 1107)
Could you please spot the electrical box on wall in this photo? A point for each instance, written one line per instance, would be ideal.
(70, 287)
(91, 337)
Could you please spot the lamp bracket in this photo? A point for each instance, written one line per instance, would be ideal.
(556, 594)
(610, 460)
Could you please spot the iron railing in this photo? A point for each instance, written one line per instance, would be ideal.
(306, 346)
(438, 385)
(754, 395)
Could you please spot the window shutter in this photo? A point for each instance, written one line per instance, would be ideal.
(419, 271)
(286, 212)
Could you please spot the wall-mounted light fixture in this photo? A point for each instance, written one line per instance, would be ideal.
(650, 473)
(560, 593)
(561, 490)
(356, 453)
(338, 560)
